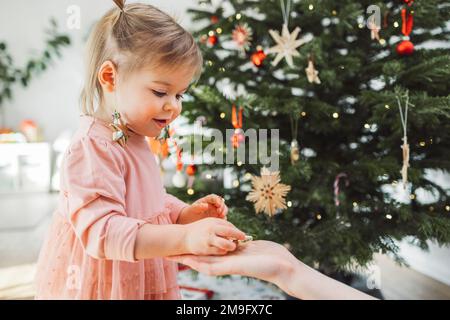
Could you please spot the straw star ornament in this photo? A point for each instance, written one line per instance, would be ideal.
(268, 194)
(287, 44)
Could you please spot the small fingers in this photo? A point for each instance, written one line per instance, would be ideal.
(202, 206)
(223, 244)
(217, 251)
(223, 211)
(220, 212)
(228, 231)
(227, 224)
(214, 199)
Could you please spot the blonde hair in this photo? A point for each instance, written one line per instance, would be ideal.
(133, 36)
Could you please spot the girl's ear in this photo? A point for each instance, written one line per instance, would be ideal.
(107, 75)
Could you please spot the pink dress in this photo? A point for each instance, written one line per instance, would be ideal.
(107, 194)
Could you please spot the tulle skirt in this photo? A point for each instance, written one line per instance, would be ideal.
(65, 271)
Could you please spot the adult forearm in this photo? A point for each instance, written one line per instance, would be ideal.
(160, 241)
(306, 283)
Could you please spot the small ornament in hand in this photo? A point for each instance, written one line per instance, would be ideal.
(240, 242)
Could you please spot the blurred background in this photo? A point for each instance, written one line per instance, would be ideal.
(41, 48)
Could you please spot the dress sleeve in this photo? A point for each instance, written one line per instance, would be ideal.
(175, 206)
(95, 190)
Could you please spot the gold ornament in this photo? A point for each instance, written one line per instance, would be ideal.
(268, 194)
(311, 73)
(120, 130)
(286, 46)
(295, 151)
(240, 242)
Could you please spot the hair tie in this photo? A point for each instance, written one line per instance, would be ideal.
(120, 4)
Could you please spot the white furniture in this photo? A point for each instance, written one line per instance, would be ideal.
(25, 167)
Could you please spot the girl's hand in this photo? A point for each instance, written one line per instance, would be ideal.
(209, 206)
(210, 237)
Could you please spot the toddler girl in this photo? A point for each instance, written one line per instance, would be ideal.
(115, 223)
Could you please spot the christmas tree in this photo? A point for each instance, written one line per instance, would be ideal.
(359, 91)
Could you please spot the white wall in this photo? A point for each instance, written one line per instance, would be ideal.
(52, 97)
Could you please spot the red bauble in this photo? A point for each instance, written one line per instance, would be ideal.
(212, 40)
(258, 58)
(408, 2)
(214, 19)
(405, 48)
(191, 169)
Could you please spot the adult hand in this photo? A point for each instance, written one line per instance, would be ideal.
(260, 259)
(272, 262)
